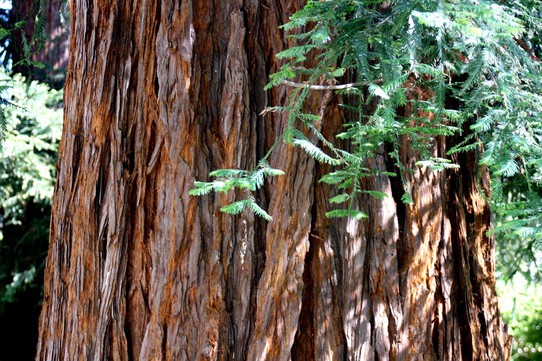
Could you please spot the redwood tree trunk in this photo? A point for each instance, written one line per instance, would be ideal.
(159, 93)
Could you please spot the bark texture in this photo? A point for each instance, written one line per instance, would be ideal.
(159, 93)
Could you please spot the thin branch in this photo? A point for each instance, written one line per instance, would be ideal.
(527, 48)
(4, 101)
(322, 87)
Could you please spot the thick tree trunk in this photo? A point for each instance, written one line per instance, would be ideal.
(161, 92)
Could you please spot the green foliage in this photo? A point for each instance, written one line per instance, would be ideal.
(31, 142)
(27, 176)
(522, 310)
(518, 229)
(314, 151)
(39, 35)
(8, 35)
(341, 213)
(231, 179)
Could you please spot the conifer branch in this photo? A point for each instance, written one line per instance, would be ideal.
(322, 87)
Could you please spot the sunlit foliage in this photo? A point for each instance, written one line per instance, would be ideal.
(27, 175)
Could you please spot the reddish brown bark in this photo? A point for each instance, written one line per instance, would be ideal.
(161, 92)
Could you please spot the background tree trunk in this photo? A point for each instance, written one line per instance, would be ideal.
(54, 54)
(161, 92)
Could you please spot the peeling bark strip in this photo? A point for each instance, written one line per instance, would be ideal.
(161, 92)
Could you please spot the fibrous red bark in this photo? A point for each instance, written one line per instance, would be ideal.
(161, 92)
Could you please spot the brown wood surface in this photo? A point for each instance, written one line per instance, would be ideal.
(161, 92)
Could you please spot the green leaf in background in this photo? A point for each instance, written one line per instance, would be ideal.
(28, 154)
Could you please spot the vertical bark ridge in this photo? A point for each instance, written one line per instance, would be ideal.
(280, 286)
(319, 334)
